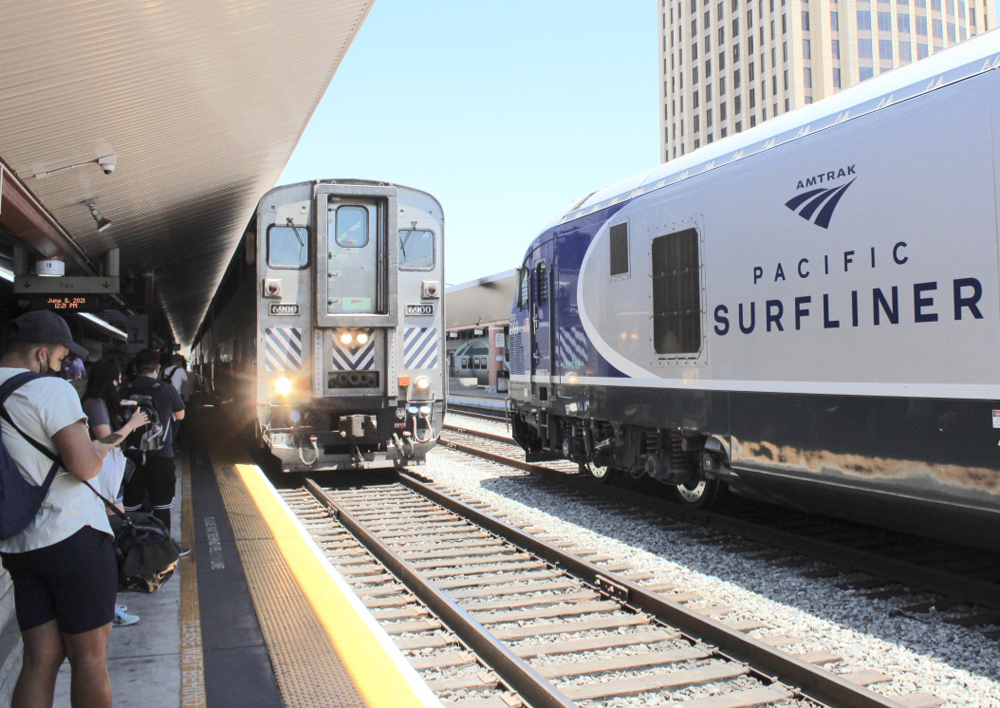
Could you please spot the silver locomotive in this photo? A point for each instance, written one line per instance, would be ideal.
(327, 332)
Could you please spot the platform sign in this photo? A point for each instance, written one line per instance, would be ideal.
(66, 285)
(66, 303)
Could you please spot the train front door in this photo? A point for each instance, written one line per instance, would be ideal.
(540, 312)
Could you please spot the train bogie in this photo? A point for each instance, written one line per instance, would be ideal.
(807, 312)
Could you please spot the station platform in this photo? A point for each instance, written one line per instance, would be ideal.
(254, 616)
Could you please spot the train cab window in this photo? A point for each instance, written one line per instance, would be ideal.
(352, 227)
(288, 246)
(524, 282)
(619, 251)
(677, 294)
(416, 249)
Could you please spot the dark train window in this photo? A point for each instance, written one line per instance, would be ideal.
(524, 282)
(676, 294)
(352, 227)
(619, 250)
(287, 246)
(416, 250)
(465, 362)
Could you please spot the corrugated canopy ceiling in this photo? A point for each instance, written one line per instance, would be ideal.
(202, 101)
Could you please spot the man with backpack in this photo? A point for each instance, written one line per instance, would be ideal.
(60, 557)
(152, 449)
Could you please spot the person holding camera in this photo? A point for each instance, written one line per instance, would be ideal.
(102, 404)
(154, 471)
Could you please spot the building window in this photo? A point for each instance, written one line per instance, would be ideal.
(722, 36)
(865, 73)
(885, 21)
(865, 48)
(738, 127)
(938, 29)
(921, 25)
(737, 105)
(708, 68)
(936, 5)
(835, 21)
(905, 53)
(885, 49)
(753, 119)
(951, 32)
(723, 132)
(736, 26)
(722, 61)
(736, 79)
(694, 51)
(749, 19)
(676, 294)
(697, 143)
(835, 48)
(708, 43)
(921, 51)
(786, 84)
(722, 86)
(696, 123)
(864, 20)
(736, 53)
(807, 77)
(805, 20)
(753, 99)
(750, 44)
(694, 74)
(722, 111)
(708, 91)
(806, 49)
(903, 22)
(784, 25)
(836, 78)
(750, 71)
(708, 117)
(694, 100)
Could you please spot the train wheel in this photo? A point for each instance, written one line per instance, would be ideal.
(598, 472)
(699, 493)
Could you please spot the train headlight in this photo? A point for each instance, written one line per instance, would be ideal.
(283, 386)
(422, 383)
(425, 410)
(345, 338)
(362, 338)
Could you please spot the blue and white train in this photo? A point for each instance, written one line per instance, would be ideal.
(327, 332)
(807, 312)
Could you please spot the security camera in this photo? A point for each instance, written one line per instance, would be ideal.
(108, 164)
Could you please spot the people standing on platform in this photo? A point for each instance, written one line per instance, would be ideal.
(154, 471)
(176, 374)
(62, 564)
(102, 404)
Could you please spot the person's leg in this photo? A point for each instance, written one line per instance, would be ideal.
(84, 586)
(43, 655)
(90, 685)
(135, 488)
(161, 482)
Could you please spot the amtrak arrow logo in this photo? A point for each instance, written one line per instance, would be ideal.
(812, 200)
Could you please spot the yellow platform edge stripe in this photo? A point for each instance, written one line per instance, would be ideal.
(364, 648)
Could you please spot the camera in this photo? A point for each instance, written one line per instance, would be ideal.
(108, 164)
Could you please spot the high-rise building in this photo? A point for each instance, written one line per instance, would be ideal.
(727, 65)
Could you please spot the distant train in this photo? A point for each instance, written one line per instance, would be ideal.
(807, 312)
(327, 331)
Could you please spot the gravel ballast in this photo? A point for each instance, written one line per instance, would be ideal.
(921, 653)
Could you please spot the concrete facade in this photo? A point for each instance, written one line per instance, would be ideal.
(727, 65)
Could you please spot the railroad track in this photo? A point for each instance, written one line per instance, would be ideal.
(478, 412)
(884, 563)
(495, 616)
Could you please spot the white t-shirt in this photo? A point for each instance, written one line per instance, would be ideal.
(41, 408)
(178, 376)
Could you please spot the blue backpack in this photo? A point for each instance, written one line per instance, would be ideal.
(19, 498)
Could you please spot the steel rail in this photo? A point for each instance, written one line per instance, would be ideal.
(956, 586)
(517, 674)
(775, 665)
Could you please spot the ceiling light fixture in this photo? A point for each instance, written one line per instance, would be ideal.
(108, 163)
(102, 222)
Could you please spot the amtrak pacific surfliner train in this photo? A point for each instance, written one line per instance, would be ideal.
(327, 331)
(807, 312)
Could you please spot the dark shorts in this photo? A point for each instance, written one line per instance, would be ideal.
(74, 582)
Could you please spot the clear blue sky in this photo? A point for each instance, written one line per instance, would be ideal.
(504, 111)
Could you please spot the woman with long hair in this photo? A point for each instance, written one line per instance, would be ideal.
(102, 404)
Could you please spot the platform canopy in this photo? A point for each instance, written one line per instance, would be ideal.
(202, 103)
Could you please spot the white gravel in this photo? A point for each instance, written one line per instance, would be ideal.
(921, 653)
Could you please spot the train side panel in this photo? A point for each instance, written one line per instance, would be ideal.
(816, 324)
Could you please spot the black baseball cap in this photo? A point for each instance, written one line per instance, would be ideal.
(45, 327)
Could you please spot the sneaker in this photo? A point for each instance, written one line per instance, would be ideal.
(185, 551)
(121, 608)
(124, 619)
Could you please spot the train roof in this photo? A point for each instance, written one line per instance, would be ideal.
(957, 63)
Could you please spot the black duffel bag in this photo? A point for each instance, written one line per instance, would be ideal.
(147, 555)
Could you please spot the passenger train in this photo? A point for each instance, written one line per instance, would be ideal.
(807, 312)
(327, 331)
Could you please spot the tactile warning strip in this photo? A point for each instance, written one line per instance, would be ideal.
(308, 670)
